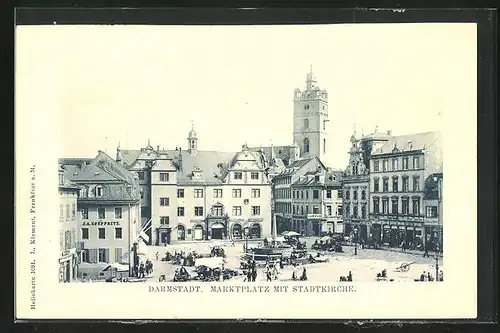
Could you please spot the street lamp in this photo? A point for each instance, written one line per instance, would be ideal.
(439, 241)
(355, 241)
(246, 231)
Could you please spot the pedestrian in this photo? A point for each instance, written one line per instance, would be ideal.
(440, 275)
(349, 277)
(268, 275)
(422, 276)
(294, 273)
(254, 275)
(426, 253)
(157, 255)
(304, 275)
(249, 276)
(232, 242)
(141, 270)
(429, 276)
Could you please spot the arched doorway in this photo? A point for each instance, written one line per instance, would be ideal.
(217, 231)
(237, 231)
(198, 232)
(181, 232)
(255, 231)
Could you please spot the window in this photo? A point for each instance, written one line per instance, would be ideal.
(254, 175)
(395, 207)
(395, 185)
(306, 145)
(363, 195)
(255, 193)
(61, 212)
(118, 212)
(101, 211)
(165, 220)
(376, 208)
(293, 209)
(355, 195)
(118, 233)
(236, 210)
(61, 179)
(347, 195)
(324, 122)
(431, 211)
(376, 185)
(198, 193)
(85, 233)
(99, 191)
(198, 211)
(103, 255)
(376, 165)
(355, 211)
(416, 162)
(237, 193)
(385, 206)
(217, 210)
(140, 175)
(324, 145)
(218, 193)
(394, 164)
(329, 210)
(385, 184)
(416, 184)
(180, 193)
(406, 184)
(363, 211)
(328, 194)
(347, 210)
(102, 233)
(255, 210)
(164, 202)
(404, 206)
(307, 194)
(384, 165)
(238, 175)
(416, 206)
(315, 210)
(306, 123)
(163, 176)
(142, 195)
(144, 211)
(315, 194)
(73, 211)
(405, 163)
(339, 211)
(339, 194)
(180, 211)
(67, 212)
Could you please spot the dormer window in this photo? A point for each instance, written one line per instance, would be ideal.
(254, 175)
(238, 175)
(99, 191)
(61, 179)
(140, 175)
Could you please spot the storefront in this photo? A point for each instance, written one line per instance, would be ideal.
(198, 232)
(432, 238)
(67, 266)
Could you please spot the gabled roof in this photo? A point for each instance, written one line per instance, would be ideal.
(213, 164)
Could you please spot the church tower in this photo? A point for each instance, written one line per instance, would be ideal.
(310, 118)
(192, 142)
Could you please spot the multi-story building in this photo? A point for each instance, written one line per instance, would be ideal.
(199, 195)
(399, 170)
(316, 203)
(356, 181)
(108, 208)
(433, 207)
(68, 260)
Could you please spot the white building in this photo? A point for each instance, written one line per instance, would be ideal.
(194, 195)
(108, 209)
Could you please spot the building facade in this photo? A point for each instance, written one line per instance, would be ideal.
(356, 187)
(191, 194)
(108, 208)
(399, 171)
(68, 259)
(433, 208)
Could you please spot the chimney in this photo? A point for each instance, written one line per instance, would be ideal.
(389, 132)
(158, 147)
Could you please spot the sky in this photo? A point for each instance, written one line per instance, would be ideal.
(126, 84)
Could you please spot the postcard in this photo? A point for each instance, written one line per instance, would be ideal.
(246, 172)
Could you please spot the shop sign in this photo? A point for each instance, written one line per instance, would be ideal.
(237, 220)
(255, 219)
(314, 216)
(288, 215)
(101, 223)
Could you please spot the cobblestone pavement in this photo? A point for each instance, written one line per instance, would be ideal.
(364, 266)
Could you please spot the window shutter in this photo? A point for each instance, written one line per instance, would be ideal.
(118, 254)
(61, 240)
(106, 255)
(95, 256)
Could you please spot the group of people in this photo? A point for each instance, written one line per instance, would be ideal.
(295, 276)
(347, 278)
(428, 277)
(217, 251)
(251, 273)
(143, 269)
